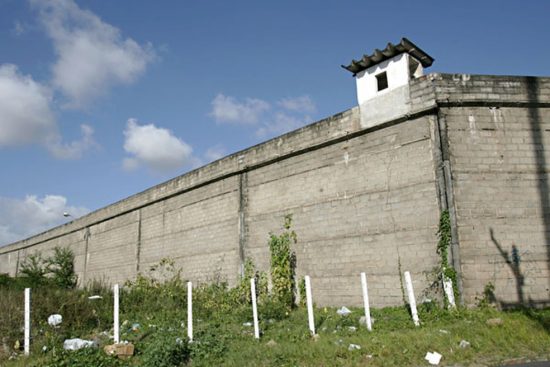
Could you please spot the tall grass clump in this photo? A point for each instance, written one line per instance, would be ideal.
(283, 264)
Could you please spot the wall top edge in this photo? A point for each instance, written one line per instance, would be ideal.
(430, 88)
(329, 128)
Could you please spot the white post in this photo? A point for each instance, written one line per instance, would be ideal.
(27, 340)
(309, 301)
(254, 308)
(366, 300)
(448, 287)
(412, 300)
(190, 311)
(115, 314)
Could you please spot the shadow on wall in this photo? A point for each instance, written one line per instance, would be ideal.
(513, 260)
(512, 257)
(537, 141)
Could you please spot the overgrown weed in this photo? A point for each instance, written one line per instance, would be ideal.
(153, 318)
(223, 335)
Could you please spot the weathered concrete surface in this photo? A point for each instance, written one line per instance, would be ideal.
(364, 197)
(498, 136)
(357, 205)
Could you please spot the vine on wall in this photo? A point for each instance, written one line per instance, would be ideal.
(443, 245)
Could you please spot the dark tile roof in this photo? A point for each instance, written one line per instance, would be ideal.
(391, 50)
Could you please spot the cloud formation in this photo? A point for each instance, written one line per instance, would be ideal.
(299, 104)
(268, 121)
(154, 147)
(21, 218)
(227, 109)
(92, 55)
(26, 116)
(282, 123)
(214, 153)
(74, 149)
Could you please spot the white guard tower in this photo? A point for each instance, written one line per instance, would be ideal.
(383, 79)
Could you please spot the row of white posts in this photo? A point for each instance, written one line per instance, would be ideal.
(309, 301)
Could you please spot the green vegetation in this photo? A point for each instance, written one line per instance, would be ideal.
(153, 318)
(443, 245)
(223, 336)
(283, 264)
(61, 268)
(56, 270)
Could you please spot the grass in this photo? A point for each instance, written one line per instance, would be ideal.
(394, 340)
(224, 338)
(153, 316)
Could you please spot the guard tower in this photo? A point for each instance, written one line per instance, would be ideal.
(382, 79)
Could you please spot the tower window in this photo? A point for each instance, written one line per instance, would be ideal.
(382, 81)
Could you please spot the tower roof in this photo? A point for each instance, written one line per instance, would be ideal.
(391, 50)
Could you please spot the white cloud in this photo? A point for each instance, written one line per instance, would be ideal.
(22, 218)
(287, 115)
(227, 109)
(253, 111)
(74, 149)
(92, 55)
(282, 123)
(25, 114)
(154, 147)
(214, 153)
(299, 104)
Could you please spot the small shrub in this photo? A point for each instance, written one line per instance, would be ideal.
(165, 349)
(273, 310)
(5, 280)
(488, 298)
(242, 293)
(34, 269)
(302, 292)
(86, 357)
(209, 299)
(283, 264)
(161, 288)
(211, 344)
(57, 269)
(262, 287)
(60, 266)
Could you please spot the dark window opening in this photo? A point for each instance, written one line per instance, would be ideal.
(382, 80)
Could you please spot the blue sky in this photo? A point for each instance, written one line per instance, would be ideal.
(102, 99)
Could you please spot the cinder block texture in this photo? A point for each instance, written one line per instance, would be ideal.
(361, 199)
(360, 205)
(498, 135)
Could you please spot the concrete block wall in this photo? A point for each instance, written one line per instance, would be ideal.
(111, 253)
(362, 199)
(363, 204)
(192, 217)
(498, 132)
(199, 230)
